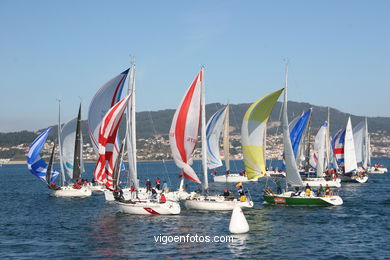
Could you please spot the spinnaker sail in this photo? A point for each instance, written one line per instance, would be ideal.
(253, 132)
(35, 163)
(183, 134)
(107, 139)
(213, 134)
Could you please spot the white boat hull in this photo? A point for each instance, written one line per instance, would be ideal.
(354, 178)
(316, 182)
(232, 177)
(96, 188)
(143, 194)
(377, 170)
(214, 203)
(149, 208)
(276, 174)
(68, 191)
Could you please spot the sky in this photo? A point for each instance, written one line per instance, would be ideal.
(338, 52)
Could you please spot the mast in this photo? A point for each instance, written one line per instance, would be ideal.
(77, 149)
(284, 112)
(366, 160)
(226, 141)
(308, 146)
(48, 171)
(59, 144)
(131, 128)
(327, 141)
(203, 133)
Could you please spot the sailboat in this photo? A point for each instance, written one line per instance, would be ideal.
(70, 153)
(349, 170)
(218, 123)
(362, 149)
(105, 98)
(37, 165)
(107, 168)
(293, 177)
(319, 160)
(183, 137)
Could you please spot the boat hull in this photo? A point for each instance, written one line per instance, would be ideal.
(143, 194)
(149, 208)
(68, 191)
(302, 200)
(316, 182)
(377, 170)
(233, 177)
(356, 179)
(215, 203)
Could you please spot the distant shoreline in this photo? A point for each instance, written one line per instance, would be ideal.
(24, 162)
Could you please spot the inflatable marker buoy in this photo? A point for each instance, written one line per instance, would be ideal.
(238, 223)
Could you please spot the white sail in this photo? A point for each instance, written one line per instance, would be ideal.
(350, 163)
(367, 162)
(131, 129)
(106, 97)
(292, 174)
(359, 132)
(226, 140)
(68, 135)
(213, 136)
(317, 158)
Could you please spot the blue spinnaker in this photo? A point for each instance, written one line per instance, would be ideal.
(35, 163)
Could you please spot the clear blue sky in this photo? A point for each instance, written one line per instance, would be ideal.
(339, 53)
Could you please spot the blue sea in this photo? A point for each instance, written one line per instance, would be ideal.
(34, 225)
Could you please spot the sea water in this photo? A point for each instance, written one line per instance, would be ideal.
(34, 225)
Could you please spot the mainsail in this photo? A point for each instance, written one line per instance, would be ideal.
(362, 143)
(350, 163)
(183, 134)
(292, 174)
(253, 132)
(317, 158)
(213, 135)
(107, 139)
(35, 163)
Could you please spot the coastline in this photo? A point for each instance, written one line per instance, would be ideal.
(18, 162)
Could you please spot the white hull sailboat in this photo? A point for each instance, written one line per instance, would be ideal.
(293, 177)
(109, 173)
(214, 203)
(233, 177)
(183, 137)
(69, 191)
(148, 207)
(351, 171)
(71, 161)
(377, 170)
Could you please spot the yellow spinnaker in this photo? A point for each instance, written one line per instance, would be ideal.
(253, 134)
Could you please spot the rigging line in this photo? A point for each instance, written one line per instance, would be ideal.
(159, 146)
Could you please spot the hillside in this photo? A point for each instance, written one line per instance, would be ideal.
(158, 122)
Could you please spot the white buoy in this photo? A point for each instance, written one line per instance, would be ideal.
(238, 223)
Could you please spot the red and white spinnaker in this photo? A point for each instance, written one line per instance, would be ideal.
(183, 134)
(107, 138)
